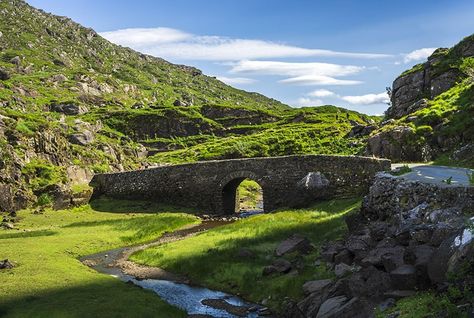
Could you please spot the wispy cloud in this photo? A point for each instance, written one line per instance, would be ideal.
(321, 93)
(236, 80)
(418, 55)
(143, 37)
(367, 99)
(300, 73)
(305, 101)
(175, 44)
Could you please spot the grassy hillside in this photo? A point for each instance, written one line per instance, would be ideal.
(73, 104)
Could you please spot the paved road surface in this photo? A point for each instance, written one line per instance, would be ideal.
(436, 174)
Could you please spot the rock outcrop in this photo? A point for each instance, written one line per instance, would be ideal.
(409, 236)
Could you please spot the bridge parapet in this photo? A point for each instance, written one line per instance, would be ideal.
(210, 185)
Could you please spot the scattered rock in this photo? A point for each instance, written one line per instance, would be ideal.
(341, 307)
(316, 286)
(7, 226)
(404, 277)
(386, 304)
(4, 75)
(6, 264)
(295, 243)
(69, 109)
(84, 138)
(240, 311)
(245, 253)
(282, 266)
(342, 269)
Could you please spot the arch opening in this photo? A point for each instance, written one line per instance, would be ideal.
(242, 195)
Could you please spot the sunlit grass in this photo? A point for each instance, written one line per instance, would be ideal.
(211, 259)
(50, 281)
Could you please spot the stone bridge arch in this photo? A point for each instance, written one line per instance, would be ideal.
(225, 195)
(285, 181)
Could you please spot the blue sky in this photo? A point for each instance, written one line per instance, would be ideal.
(301, 52)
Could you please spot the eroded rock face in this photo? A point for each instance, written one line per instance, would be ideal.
(399, 144)
(395, 249)
(69, 109)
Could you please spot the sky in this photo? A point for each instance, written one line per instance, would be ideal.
(301, 52)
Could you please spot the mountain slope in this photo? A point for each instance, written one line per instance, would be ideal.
(431, 116)
(73, 104)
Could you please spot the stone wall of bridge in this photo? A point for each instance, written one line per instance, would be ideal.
(210, 186)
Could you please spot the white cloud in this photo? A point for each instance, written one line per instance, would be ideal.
(318, 80)
(304, 101)
(321, 93)
(140, 37)
(175, 44)
(236, 80)
(300, 73)
(368, 99)
(418, 55)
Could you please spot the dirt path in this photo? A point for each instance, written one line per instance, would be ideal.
(115, 262)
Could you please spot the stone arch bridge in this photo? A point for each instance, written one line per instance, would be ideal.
(210, 186)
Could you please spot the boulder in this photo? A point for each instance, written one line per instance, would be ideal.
(69, 109)
(282, 265)
(4, 74)
(341, 307)
(330, 249)
(344, 256)
(83, 138)
(295, 243)
(452, 255)
(7, 225)
(6, 264)
(342, 269)
(404, 277)
(316, 286)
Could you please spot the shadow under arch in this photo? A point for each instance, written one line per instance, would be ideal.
(226, 194)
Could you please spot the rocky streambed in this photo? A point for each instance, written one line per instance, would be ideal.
(177, 290)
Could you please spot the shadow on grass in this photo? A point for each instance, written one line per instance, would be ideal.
(27, 234)
(145, 227)
(106, 298)
(217, 263)
(105, 204)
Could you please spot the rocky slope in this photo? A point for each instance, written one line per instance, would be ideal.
(431, 110)
(73, 104)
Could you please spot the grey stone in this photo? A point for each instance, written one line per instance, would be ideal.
(4, 74)
(399, 294)
(316, 286)
(341, 307)
(314, 181)
(6, 264)
(404, 277)
(342, 269)
(8, 226)
(282, 265)
(83, 138)
(451, 255)
(295, 243)
(69, 109)
(344, 256)
(16, 60)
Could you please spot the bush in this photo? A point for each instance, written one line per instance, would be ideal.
(424, 130)
(44, 199)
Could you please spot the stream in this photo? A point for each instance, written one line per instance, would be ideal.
(174, 289)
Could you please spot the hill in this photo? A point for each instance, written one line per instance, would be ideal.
(431, 113)
(73, 104)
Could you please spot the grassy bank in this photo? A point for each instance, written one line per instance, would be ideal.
(211, 259)
(49, 281)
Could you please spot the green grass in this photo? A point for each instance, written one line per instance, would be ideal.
(422, 305)
(471, 177)
(401, 171)
(249, 193)
(210, 259)
(49, 280)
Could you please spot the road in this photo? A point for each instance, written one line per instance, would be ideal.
(436, 174)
